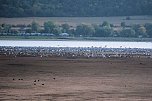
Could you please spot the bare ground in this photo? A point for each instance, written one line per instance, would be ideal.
(62, 79)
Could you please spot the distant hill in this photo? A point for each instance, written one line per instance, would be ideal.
(74, 8)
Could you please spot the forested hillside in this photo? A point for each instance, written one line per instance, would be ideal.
(41, 8)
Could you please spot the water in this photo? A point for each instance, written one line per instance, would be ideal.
(106, 44)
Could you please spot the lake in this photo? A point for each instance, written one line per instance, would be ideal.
(105, 44)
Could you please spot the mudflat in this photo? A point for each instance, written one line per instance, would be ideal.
(79, 79)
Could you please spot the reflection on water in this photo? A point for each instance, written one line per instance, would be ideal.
(106, 44)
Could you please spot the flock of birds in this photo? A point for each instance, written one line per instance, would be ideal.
(71, 52)
(34, 82)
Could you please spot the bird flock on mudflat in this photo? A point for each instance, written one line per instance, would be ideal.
(74, 52)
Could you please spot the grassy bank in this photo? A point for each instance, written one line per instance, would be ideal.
(74, 38)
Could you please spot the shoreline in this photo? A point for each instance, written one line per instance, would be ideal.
(62, 79)
(43, 38)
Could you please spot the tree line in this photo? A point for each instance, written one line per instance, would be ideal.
(102, 30)
(84, 8)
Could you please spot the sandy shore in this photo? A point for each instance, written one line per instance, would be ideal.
(62, 79)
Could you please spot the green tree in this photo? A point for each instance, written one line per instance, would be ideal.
(28, 31)
(7, 28)
(127, 33)
(123, 24)
(85, 30)
(0, 29)
(35, 26)
(56, 30)
(148, 27)
(104, 31)
(105, 24)
(72, 32)
(49, 27)
(65, 28)
(140, 31)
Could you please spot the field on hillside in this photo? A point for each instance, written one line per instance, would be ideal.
(73, 21)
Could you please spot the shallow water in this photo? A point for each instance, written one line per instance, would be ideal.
(105, 44)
